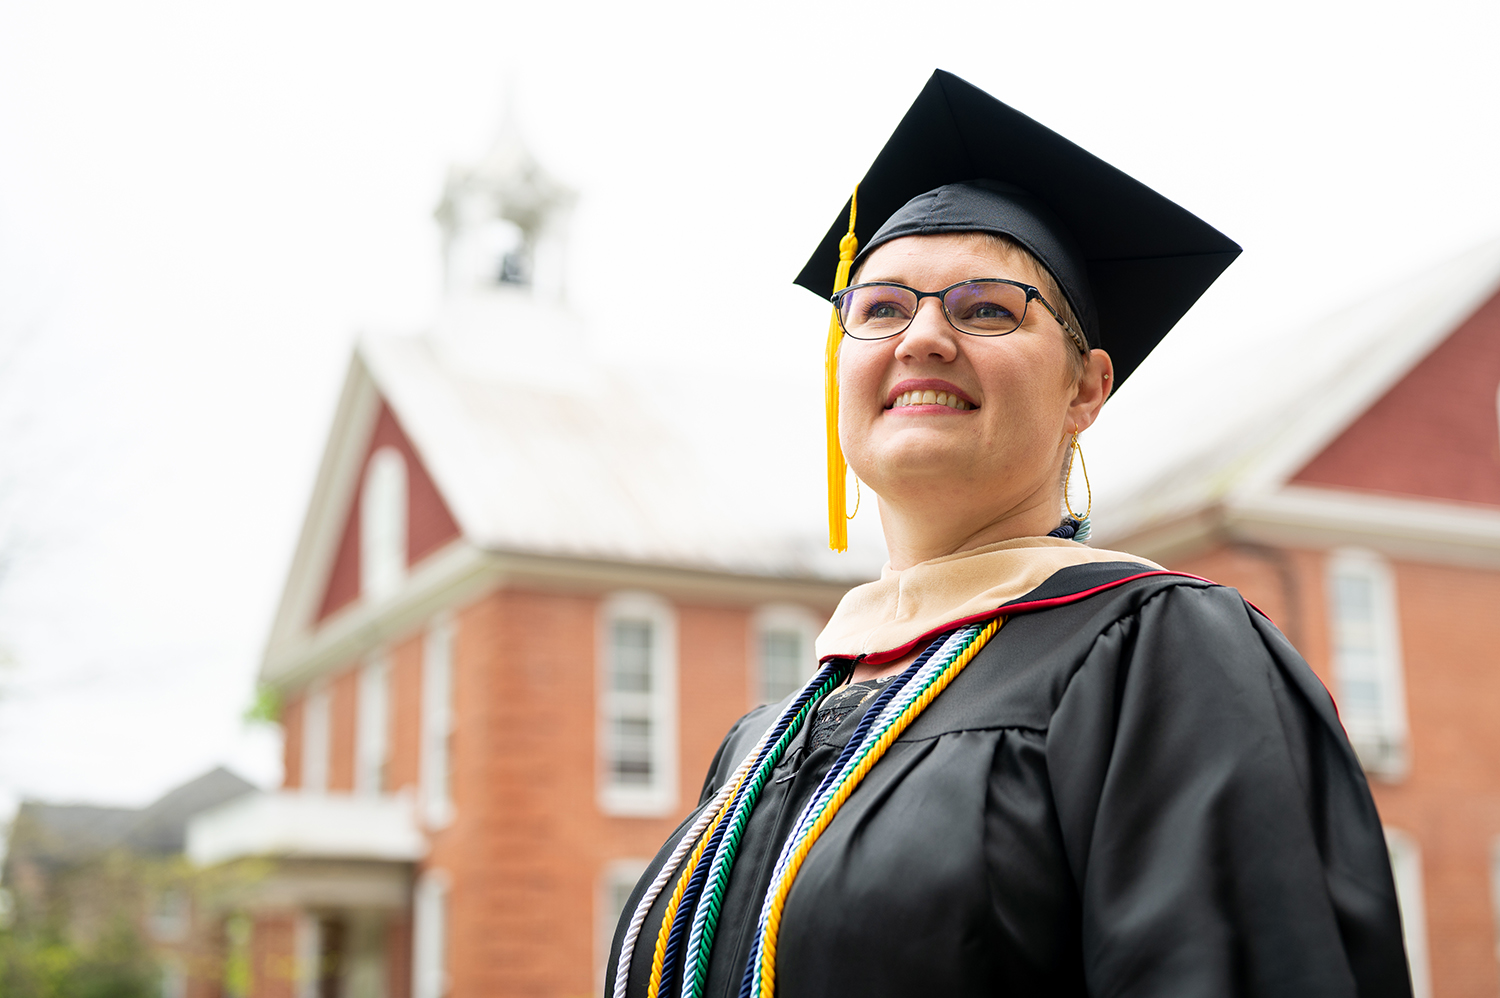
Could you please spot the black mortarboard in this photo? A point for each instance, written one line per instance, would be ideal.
(1145, 259)
(1130, 262)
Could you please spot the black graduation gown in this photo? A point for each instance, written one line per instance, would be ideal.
(1138, 787)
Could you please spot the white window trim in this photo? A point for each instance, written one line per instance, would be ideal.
(317, 739)
(780, 617)
(1393, 760)
(174, 978)
(435, 776)
(618, 872)
(372, 725)
(1406, 868)
(384, 509)
(308, 957)
(429, 936)
(660, 796)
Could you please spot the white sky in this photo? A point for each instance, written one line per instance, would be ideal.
(201, 204)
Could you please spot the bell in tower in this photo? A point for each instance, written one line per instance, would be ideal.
(504, 222)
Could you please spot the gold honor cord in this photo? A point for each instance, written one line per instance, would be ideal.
(838, 526)
(658, 957)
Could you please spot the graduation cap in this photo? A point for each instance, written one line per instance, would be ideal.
(1129, 261)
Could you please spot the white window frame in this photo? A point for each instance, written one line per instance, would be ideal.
(372, 726)
(174, 978)
(429, 935)
(659, 796)
(308, 957)
(615, 885)
(435, 775)
(317, 739)
(383, 510)
(1380, 739)
(170, 916)
(1495, 891)
(1406, 870)
(781, 617)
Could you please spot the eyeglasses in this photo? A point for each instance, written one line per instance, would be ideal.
(989, 307)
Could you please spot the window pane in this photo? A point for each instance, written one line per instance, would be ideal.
(631, 662)
(781, 664)
(1357, 660)
(630, 755)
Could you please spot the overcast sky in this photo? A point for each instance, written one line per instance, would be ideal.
(202, 204)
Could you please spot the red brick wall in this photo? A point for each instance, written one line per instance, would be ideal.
(430, 525)
(273, 955)
(398, 957)
(291, 742)
(1436, 433)
(343, 697)
(1450, 800)
(529, 845)
(405, 713)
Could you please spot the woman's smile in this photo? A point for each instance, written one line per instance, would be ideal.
(928, 396)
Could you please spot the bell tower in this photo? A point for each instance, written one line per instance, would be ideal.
(504, 221)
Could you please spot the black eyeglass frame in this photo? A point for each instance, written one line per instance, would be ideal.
(1031, 293)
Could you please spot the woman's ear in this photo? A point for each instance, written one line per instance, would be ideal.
(1094, 386)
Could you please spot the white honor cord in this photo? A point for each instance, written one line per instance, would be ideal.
(684, 845)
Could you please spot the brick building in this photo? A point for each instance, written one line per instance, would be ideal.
(516, 625)
(1359, 505)
(514, 629)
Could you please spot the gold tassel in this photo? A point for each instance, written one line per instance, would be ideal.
(838, 520)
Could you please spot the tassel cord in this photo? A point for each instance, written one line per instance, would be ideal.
(938, 654)
(838, 525)
(674, 926)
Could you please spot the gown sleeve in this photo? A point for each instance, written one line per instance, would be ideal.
(1220, 831)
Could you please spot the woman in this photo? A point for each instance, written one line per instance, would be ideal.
(1025, 766)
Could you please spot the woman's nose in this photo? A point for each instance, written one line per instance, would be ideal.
(930, 334)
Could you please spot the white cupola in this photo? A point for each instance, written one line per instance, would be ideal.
(504, 222)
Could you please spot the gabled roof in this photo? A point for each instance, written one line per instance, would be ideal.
(536, 450)
(1294, 390)
(61, 834)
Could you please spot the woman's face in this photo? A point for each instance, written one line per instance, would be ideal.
(1004, 453)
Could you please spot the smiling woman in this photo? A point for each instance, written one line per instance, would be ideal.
(1011, 366)
(1025, 766)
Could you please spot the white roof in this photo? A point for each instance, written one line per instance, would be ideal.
(1168, 454)
(539, 450)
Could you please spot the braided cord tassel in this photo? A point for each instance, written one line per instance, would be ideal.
(711, 813)
(706, 917)
(936, 657)
(882, 705)
(658, 956)
(869, 755)
(674, 926)
(838, 521)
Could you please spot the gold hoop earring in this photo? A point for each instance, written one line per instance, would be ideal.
(1077, 454)
(857, 498)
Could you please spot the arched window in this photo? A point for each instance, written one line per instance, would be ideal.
(1366, 644)
(782, 659)
(637, 705)
(382, 525)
